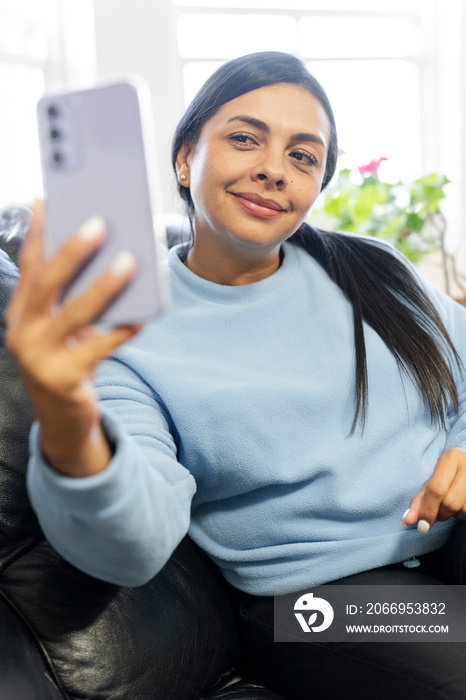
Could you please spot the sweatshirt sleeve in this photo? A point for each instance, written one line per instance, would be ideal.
(122, 524)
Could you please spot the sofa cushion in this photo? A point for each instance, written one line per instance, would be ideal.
(14, 222)
(19, 528)
(171, 638)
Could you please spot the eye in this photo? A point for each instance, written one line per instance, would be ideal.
(304, 158)
(243, 140)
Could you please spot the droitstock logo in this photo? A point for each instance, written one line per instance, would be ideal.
(313, 605)
(371, 613)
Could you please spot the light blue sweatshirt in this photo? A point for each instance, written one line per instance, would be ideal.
(231, 417)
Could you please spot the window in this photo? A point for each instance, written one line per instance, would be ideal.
(34, 57)
(24, 53)
(367, 61)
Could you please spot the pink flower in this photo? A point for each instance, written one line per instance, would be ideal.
(372, 167)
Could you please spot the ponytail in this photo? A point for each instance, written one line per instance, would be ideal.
(385, 294)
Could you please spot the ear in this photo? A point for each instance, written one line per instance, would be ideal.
(182, 164)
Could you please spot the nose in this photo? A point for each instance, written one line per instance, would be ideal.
(270, 171)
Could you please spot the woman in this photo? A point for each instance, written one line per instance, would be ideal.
(301, 395)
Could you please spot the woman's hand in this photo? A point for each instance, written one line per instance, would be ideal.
(58, 348)
(443, 495)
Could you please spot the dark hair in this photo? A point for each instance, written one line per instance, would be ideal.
(386, 294)
(381, 288)
(237, 77)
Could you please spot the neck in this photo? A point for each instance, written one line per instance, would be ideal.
(232, 270)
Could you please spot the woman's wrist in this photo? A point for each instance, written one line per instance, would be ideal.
(79, 458)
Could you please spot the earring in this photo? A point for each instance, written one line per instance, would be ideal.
(183, 178)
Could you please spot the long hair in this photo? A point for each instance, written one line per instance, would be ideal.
(382, 290)
(386, 295)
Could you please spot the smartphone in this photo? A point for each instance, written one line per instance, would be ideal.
(96, 158)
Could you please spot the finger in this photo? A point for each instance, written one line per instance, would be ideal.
(66, 264)
(437, 487)
(411, 516)
(83, 310)
(98, 346)
(454, 503)
(425, 505)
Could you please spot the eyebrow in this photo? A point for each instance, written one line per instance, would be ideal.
(262, 126)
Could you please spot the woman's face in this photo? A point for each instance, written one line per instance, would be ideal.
(257, 168)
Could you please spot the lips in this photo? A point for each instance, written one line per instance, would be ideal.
(255, 199)
(257, 206)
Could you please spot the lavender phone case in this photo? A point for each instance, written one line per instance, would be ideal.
(93, 151)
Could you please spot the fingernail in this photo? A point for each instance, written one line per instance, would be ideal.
(423, 526)
(92, 229)
(405, 514)
(124, 263)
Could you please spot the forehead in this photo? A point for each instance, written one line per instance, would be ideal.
(283, 107)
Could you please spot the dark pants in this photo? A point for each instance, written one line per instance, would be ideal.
(356, 671)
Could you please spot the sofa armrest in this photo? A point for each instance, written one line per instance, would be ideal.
(24, 673)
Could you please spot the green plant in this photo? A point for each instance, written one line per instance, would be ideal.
(406, 214)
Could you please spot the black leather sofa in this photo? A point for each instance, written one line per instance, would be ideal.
(66, 635)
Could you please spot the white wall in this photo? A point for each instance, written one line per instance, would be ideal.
(450, 103)
(138, 37)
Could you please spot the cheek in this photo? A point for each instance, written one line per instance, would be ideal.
(205, 172)
(211, 177)
(199, 164)
(306, 196)
(205, 190)
(197, 173)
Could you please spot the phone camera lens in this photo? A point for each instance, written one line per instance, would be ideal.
(55, 134)
(57, 157)
(52, 111)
